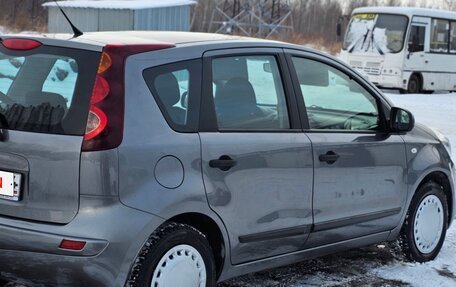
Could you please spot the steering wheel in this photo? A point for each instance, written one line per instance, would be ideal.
(7, 100)
(359, 121)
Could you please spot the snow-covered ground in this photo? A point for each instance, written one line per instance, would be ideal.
(381, 265)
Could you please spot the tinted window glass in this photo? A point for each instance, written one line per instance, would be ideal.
(439, 36)
(248, 93)
(173, 88)
(46, 90)
(416, 39)
(333, 100)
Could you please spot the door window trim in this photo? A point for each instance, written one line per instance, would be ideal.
(382, 104)
(208, 117)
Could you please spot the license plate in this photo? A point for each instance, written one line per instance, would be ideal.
(10, 185)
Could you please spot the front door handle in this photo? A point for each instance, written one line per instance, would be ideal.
(223, 163)
(330, 157)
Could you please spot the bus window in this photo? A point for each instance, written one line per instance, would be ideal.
(453, 38)
(439, 37)
(383, 33)
(416, 39)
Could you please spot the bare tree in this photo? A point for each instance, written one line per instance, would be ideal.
(449, 4)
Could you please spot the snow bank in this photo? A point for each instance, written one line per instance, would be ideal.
(4, 30)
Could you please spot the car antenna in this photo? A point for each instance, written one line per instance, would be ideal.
(76, 31)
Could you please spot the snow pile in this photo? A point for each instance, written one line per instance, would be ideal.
(4, 30)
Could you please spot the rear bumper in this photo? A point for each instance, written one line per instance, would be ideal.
(30, 253)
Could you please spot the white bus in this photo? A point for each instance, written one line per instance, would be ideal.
(410, 49)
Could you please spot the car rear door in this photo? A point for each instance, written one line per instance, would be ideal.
(359, 168)
(44, 99)
(256, 162)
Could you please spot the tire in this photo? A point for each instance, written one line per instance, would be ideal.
(414, 85)
(428, 205)
(170, 244)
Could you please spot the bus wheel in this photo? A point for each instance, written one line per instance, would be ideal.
(414, 85)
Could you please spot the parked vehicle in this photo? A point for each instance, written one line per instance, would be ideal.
(183, 159)
(411, 49)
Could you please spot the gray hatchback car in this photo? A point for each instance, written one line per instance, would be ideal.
(182, 159)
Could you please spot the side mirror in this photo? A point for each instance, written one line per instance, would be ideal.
(339, 29)
(401, 120)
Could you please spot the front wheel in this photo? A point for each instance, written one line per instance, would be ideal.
(176, 255)
(425, 226)
(414, 85)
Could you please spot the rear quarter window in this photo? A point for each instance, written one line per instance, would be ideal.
(47, 89)
(176, 88)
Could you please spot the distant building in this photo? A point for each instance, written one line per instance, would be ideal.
(119, 15)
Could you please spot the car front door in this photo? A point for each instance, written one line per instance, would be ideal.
(256, 162)
(359, 168)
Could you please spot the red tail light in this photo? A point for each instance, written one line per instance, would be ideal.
(20, 44)
(100, 90)
(104, 128)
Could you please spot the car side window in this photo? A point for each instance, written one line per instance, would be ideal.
(248, 93)
(333, 100)
(171, 85)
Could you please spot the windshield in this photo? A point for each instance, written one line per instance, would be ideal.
(382, 33)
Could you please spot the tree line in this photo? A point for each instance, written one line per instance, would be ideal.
(23, 15)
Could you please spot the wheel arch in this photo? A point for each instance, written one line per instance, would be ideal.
(438, 176)
(441, 179)
(211, 230)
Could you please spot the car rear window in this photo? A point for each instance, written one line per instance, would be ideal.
(47, 89)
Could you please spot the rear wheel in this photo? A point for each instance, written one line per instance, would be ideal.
(414, 85)
(176, 255)
(425, 226)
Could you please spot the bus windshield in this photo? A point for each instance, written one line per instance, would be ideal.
(371, 32)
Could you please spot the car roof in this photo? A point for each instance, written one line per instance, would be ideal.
(97, 40)
(135, 37)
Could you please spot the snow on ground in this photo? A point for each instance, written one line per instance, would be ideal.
(381, 265)
(3, 30)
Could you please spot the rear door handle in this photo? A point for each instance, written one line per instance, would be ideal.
(223, 163)
(330, 157)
